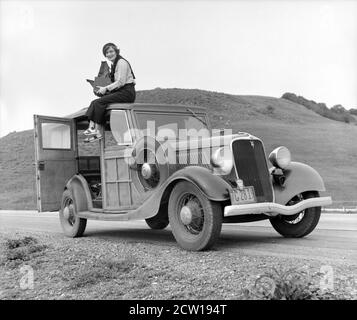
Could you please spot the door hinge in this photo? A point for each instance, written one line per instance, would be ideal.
(41, 165)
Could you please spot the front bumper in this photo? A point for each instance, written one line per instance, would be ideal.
(273, 209)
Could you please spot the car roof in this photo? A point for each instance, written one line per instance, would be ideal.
(155, 107)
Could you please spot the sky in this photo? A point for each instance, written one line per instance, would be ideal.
(49, 48)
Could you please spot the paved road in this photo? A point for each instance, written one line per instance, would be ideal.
(335, 238)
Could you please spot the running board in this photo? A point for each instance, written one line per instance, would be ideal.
(122, 216)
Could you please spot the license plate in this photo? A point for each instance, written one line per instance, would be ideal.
(246, 195)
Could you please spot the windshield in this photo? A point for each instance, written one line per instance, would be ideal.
(175, 126)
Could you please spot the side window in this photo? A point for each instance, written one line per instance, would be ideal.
(56, 135)
(119, 133)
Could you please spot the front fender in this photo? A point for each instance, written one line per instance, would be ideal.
(213, 187)
(299, 178)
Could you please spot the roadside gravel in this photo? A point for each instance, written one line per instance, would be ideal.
(100, 268)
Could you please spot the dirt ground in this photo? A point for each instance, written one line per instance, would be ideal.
(102, 268)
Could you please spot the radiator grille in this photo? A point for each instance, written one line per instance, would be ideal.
(251, 165)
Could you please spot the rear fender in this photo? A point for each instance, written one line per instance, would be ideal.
(79, 189)
(299, 178)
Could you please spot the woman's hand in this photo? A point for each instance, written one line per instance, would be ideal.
(101, 90)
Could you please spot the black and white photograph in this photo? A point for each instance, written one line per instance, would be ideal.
(180, 156)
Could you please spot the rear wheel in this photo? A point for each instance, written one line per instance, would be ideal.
(157, 222)
(72, 225)
(300, 224)
(196, 221)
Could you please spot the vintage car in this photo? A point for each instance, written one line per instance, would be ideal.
(164, 163)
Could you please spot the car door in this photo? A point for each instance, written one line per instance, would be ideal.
(55, 159)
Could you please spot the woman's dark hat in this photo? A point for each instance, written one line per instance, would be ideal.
(107, 46)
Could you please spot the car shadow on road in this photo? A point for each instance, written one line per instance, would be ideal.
(136, 235)
(242, 239)
(248, 241)
(248, 238)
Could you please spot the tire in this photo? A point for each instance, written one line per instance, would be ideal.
(300, 224)
(206, 217)
(157, 223)
(71, 224)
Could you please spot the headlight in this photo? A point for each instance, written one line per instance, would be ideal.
(280, 157)
(222, 161)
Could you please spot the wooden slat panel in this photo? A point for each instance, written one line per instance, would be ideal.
(110, 170)
(124, 192)
(123, 170)
(112, 195)
(119, 186)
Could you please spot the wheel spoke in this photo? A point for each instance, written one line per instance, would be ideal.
(195, 226)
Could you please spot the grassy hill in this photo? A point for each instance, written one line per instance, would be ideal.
(327, 145)
(17, 171)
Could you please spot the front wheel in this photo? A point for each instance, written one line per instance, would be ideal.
(300, 224)
(72, 225)
(196, 221)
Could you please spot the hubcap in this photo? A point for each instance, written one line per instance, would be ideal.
(146, 171)
(186, 215)
(295, 218)
(191, 214)
(149, 171)
(68, 212)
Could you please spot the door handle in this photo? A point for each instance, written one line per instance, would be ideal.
(41, 165)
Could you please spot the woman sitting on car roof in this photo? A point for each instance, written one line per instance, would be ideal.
(122, 89)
